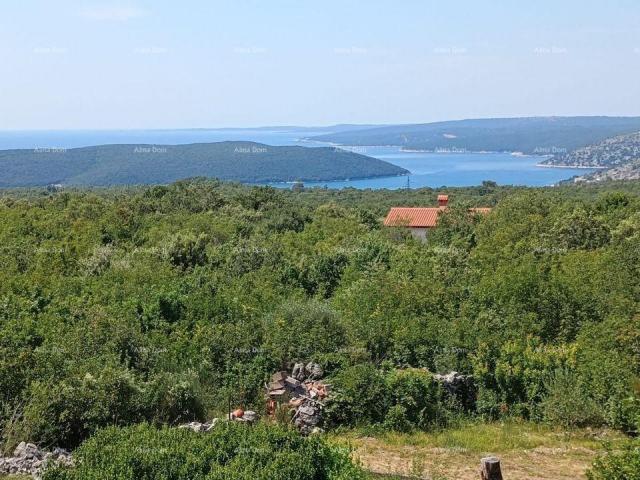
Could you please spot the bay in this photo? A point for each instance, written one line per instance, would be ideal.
(427, 169)
(459, 169)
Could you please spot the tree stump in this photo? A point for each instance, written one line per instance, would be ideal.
(490, 469)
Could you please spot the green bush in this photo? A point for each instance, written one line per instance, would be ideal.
(314, 325)
(418, 395)
(621, 464)
(517, 372)
(231, 451)
(399, 400)
(581, 229)
(609, 366)
(396, 419)
(187, 251)
(568, 403)
(361, 396)
(173, 398)
(66, 412)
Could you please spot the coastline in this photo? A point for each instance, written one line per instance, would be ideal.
(441, 151)
(293, 182)
(578, 167)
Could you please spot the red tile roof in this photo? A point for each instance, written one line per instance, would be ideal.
(420, 217)
(443, 200)
(413, 217)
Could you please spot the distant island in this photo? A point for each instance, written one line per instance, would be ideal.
(246, 162)
(528, 135)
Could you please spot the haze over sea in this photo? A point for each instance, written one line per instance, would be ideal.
(427, 169)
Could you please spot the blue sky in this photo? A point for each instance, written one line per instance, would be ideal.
(168, 64)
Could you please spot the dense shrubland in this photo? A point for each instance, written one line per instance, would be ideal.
(618, 463)
(230, 451)
(160, 304)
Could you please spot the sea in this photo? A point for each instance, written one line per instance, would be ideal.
(428, 169)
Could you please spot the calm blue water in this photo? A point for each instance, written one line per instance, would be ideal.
(427, 169)
(457, 170)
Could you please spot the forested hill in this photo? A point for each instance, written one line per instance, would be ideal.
(611, 152)
(532, 135)
(619, 156)
(157, 164)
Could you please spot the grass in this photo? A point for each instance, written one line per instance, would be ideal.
(526, 450)
(482, 437)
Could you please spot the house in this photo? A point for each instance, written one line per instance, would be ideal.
(420, 219)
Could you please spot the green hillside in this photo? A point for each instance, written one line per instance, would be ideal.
(618, 158)
(156, 164)
(532, 135)
(611, 152)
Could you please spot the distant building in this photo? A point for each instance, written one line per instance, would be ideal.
(420, 219)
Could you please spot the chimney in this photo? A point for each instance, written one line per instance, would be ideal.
(443, 200)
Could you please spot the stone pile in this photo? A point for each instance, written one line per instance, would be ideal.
(459, 386)
(238, 415)
(28, 459)
(200, 427)
(303, 392)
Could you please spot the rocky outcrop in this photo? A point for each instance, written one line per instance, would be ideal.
(28, 459)
(459, 386)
